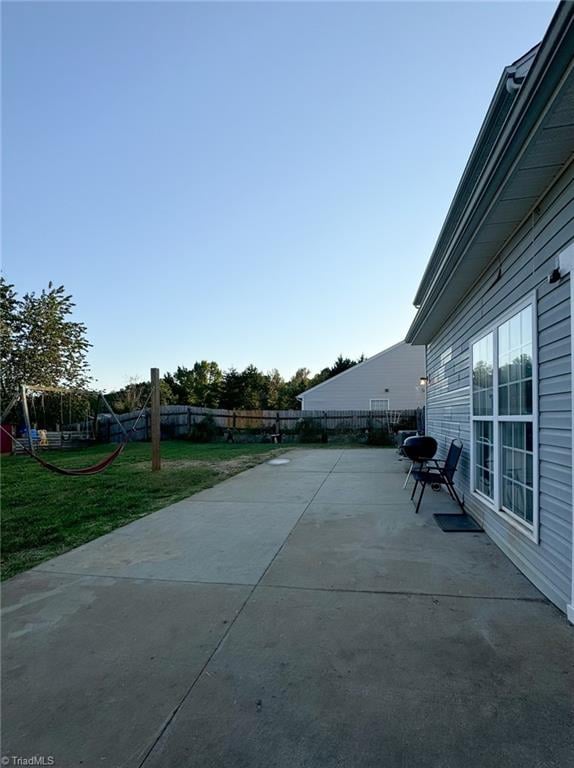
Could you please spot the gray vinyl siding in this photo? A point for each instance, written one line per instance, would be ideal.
(524, 265)
(397, 369)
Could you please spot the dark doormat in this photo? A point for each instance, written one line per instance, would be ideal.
(457, 523)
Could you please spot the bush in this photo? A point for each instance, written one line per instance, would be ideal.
(205, 431)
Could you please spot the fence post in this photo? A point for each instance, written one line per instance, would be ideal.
(155, 421)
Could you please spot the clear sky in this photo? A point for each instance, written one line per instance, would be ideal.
(241, 182)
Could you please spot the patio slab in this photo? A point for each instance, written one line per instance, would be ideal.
(207, 541)
(371, 460)
(310, 460)
(324, 679)
(363, 488)
(93, 667)
(389, 548)
(271, 486)
(347, 631)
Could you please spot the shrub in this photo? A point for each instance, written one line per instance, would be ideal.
(204, 431)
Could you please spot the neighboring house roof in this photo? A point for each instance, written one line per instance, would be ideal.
(523, 145)
(353, 368)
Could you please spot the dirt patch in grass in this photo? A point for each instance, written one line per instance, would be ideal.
(224, 468)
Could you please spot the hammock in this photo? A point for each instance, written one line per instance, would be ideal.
(94, 469)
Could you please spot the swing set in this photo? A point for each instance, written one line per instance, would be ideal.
(94, 469)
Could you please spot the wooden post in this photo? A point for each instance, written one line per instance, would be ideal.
(24, 396)
(155, 421)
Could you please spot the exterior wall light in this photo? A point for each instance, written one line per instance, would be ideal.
(424, 380)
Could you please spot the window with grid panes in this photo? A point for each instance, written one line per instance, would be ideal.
(503, 416)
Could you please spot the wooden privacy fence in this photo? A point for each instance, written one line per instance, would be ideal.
(179, 420)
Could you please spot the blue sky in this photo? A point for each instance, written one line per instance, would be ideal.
(241, 182)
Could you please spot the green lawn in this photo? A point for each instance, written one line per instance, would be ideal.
(44, 514)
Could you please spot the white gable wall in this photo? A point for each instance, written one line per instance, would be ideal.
(397, 370)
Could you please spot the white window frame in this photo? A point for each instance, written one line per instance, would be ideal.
(530, 530)
(379, 400)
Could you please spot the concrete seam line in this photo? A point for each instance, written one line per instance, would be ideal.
(182, 701)
(171, 717)
(400, 593)
(342, 590)
(296, 523)
(146, 578)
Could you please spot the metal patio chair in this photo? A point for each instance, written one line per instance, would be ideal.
(441, 474)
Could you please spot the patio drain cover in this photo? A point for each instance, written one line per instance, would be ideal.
(278, 461)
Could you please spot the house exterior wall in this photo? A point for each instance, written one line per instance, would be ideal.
(525, 264)
(397, 369)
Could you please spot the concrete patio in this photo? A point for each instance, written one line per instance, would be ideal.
(294, 615)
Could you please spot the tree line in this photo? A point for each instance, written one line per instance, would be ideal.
(41, 344)
(207, 385)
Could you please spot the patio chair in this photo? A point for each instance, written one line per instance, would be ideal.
(441, 474)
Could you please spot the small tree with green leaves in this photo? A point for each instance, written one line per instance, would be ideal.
(41, 343)
(10, 333)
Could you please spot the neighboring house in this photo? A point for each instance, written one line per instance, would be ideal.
(495, 314)
(387, 381)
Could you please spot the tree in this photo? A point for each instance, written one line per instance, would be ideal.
(181, 384)
(341, 364)
(200, 385)
(40, 343)
(207, 381)
(254, 388)
(232, 389)
(298, 383)
(129, 398)
(9, 335)
(133, 396)
(275, 390)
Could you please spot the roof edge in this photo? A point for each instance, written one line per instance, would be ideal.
(539, 78)
(353, 368)
(490, 130)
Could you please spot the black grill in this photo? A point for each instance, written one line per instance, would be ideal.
(420, 447)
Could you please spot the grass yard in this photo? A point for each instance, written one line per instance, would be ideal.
(44, 514)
